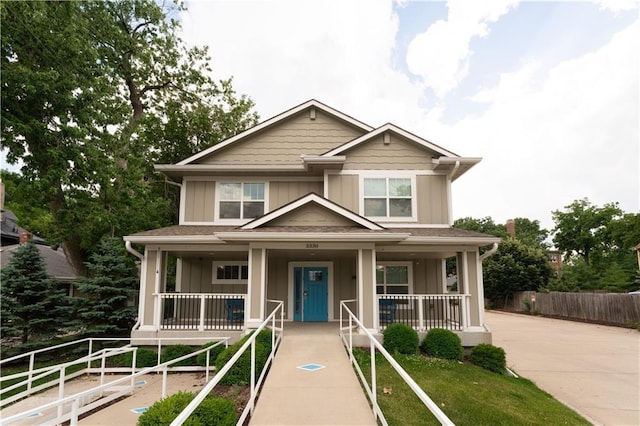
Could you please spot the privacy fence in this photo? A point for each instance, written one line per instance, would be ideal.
(619, 309)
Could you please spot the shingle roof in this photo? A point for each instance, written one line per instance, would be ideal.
(56, 263)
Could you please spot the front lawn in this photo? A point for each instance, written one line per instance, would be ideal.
(467, 394)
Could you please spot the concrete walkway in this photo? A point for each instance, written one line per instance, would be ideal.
(592, 368)
(326, 393)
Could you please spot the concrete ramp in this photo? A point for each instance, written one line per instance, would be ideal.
(311, 381)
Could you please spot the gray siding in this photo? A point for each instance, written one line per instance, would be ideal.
(312, 215)
(343, 190)
(199, 201)
(281, 193)
(433, 206)
(399, 154)
(285, 142)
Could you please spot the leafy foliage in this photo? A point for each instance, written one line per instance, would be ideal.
(144, 358)
(515, 267)
(32, 304)
(110, 290)
(489, 357)
(212, 411)
(400, 338)
(240, 373)
(93, 94)
(176, 351)
(441, 343)
(201, 360)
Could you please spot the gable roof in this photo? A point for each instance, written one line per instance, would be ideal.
(308, 199)
(270, 122)
(56, 263)
(390, 128)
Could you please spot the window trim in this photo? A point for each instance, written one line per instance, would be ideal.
(238, 221)
(214, 277)
(386, 174)
(409, 266)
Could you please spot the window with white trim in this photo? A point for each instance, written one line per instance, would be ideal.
(394, 278)
(230, 273)
(241, 200)
(388, 197)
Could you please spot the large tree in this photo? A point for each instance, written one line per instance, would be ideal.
(32, 305)
(95, 93)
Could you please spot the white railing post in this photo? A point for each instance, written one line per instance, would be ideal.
(374, 390)
(253, 375)
(164, 382)
(89, 354)
(422, 325)
(75, 406)
(61, 389)
(156, 310)
(31, 363)
(202, 310)
(464, 300)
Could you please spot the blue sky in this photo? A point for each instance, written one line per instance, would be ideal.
(546, 92)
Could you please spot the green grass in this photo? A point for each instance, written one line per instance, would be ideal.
(467, 394)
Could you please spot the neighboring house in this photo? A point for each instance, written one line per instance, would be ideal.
(10, 231)
(56, 264)
(313, 207)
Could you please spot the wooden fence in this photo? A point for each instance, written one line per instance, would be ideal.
(605, 308)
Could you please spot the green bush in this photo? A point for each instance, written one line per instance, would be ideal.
(212, 411)
(240, 373)
(144, 358)
(489, 357)
(176, 351)
(400, 338)
(201, 360)
(441, 343)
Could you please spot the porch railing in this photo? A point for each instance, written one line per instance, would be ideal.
(423, 311)
(200, 311)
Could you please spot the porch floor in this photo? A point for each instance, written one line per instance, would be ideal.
(327, 392)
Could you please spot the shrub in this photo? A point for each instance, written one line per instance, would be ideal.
(201, 360)
(489, 357)
(400, 338)
(240, 373)
(212, 411)
(176, 351)
(441, 343)
(144, 358)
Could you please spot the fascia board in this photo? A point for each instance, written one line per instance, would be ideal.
(228, 167)
(477, 242)
(322, 236)
(275, 119)
(159, 239)
(395, 129)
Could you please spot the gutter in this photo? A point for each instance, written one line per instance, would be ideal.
(133, 251)
(490, 252)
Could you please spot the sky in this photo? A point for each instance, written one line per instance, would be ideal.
(547, 93)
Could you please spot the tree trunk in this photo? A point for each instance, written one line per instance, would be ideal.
(71, 243)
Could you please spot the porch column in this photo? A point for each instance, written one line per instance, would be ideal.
(256, 294)
(366, 287)
(476, 301)
(147, 302)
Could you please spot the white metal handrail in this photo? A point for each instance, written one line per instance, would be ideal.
(372, 390)
(255, 385)
(77, 399)
(425, 311)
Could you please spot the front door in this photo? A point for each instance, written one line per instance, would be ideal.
(310, 288)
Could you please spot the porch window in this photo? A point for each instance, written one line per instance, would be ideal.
(393, 278)
(388, 197)
(241, 200)
(230, 273)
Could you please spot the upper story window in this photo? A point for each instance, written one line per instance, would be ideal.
(388, 197)
(241, 200)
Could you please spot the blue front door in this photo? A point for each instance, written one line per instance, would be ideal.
(310, 290)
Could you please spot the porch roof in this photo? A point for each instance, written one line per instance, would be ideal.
(222, 234)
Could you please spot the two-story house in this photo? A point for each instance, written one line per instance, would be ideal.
(313, 207)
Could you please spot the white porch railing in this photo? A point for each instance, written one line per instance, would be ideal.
(199, 311)
(424, 311)
(69, 408)
(346, 333)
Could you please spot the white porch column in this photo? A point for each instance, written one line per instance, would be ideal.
(157, 289)
(146, 312)
(463, 287)
(256, 288)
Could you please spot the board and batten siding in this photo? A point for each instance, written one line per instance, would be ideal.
(285, 142)
(398, 154)
(433, 205)
(343, 190)
(281, 193)
(199, 200)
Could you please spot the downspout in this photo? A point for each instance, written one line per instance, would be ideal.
(491, 251)
(139, 255)
(449, 181)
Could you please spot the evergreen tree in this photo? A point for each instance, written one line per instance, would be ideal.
(31, 303)
(110, 290)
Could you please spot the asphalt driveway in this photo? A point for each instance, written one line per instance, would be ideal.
(594, 369)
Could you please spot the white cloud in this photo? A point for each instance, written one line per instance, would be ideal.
(617, 5)
(550, 137)
(440, 55)
(283, 53)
